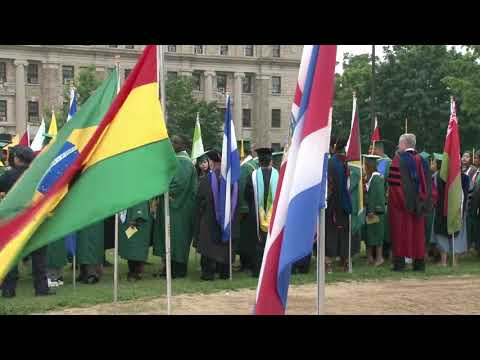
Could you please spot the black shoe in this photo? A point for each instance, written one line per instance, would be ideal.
(399, 264)
(92, 279)
(47, 292)
(8, 294)
(207, 277)
(107, 264)
(419, 265)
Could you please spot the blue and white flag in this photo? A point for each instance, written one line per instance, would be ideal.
(230, 174)
(71, 239)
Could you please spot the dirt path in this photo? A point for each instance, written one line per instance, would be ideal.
(439, 295)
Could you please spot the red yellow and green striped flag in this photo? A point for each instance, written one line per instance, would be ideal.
(113, 154)
(450, 172)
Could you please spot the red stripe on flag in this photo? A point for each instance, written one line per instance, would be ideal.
(353, 151)
(320, 101)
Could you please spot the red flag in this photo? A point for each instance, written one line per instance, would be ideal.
(376, 132)
(354, 152)
(25, 140)
(451, 174)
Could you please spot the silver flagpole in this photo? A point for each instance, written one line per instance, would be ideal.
(453, 250)
(166, 197)
(115, 249)
(350, 244)
(74, 271)
(321, 263)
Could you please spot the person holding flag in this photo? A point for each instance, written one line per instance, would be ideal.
(182, 192)
(409, 200)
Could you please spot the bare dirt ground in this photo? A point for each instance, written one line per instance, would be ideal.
(436, 296)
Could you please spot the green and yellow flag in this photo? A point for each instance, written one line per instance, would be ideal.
(113, 154)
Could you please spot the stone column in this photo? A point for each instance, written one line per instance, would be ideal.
(20, 100)
(209, 85)
(262, 121)
(51, 88)
(237, 105)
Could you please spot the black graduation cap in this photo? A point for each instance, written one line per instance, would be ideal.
(264, 154)
(25, 154)
(371, 159)
(214, 155)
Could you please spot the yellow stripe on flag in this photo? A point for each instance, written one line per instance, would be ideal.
(139, 122)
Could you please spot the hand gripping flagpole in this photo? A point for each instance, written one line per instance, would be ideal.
(166, 197)
(115, 251)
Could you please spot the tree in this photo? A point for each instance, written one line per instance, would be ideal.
(86, 83)
(182, 108)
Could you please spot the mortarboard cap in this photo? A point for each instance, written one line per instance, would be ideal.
(25, 154)
(264, 154)
(371, 159)
(425, 155)
(438, 156)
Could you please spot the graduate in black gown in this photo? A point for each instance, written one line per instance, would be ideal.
(260, 191)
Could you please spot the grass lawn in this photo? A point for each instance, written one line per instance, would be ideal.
(86, 295)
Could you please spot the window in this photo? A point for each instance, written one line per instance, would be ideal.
(3, 110)
(32, 74)
(223, 49)
(33, 112)
(276, 51)
(113, 46)
(248, 50)
(129, 46)
(276, 85)
(127, 72)
(68, 73)
(247, 118)
(221, 82)
(276, 123)
(198, 49)
(172, 48)
(276, 147)
(3, 72)
(247, 84)
(222, 112)
(171, 75)
(197, 81)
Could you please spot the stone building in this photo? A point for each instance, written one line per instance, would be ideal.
(260, 78)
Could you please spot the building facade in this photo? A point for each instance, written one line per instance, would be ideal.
(260, 78)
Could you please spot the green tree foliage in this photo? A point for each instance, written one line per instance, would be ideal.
(182, 108)
(414, 82)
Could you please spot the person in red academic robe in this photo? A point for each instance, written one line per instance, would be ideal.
(409, 200)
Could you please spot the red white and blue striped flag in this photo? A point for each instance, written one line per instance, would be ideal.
(303, 179)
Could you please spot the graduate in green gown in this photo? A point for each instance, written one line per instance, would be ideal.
(375, 210)
(182, 192)
(134, 237)
(358, 217)
(90, 252)
(56, 261)
(383, 167)
(246, 246)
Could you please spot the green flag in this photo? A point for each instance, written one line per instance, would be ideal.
(197, 145)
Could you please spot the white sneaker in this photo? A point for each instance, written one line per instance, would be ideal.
(60, 282)
(52, 283)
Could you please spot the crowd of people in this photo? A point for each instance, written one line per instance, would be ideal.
(401, 218)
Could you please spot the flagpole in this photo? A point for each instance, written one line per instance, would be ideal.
(453, 250)
(321, 263)
(166, 197)
(406, 125)
(115, 251)
(350, 270)
(74, 272)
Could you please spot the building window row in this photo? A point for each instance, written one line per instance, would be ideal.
(33, 112)
(3, 110)
(3, 72)
(276, 121)
(248, 50)
(126, 46)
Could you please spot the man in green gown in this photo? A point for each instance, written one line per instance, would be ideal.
(90, 253)
(246, 248)
(375, 211)
(383, 167)
(134, 235)
(182, 192)
(56, 261)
